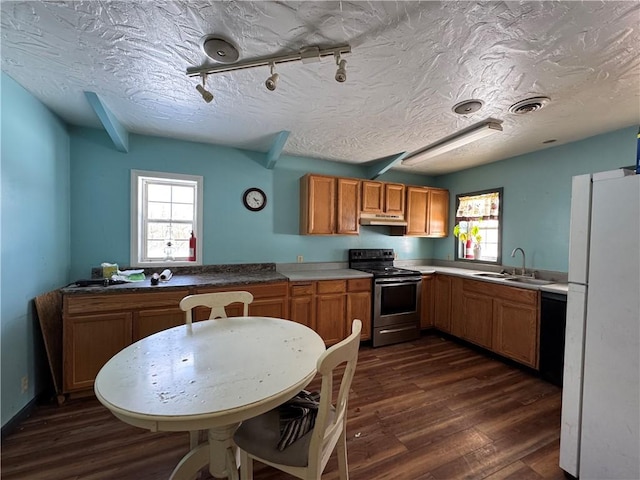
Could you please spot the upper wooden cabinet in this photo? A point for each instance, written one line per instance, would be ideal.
(329, 205)
(382, 197)
(427, 212)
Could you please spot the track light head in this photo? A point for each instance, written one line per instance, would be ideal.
(341, 73)
(207, 96)
(272, 81)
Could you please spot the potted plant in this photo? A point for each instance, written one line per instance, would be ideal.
(470, 238)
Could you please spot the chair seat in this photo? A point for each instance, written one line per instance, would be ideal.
(260, 436)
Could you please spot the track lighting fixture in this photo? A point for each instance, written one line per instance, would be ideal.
(341, 73)
(207, 96)
(273, 79)
(221, 56)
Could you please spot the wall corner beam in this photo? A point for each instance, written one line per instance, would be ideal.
(380, 166)
(276, 149)
(119, 135)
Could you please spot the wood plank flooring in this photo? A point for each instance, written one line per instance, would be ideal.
(429, 409)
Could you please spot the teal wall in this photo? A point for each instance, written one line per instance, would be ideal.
(537, 195)
(100, 203)
(34, 235)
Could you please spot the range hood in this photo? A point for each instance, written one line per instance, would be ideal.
(393, 220)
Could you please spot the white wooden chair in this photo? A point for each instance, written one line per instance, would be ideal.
(216, 302)
(307, 457)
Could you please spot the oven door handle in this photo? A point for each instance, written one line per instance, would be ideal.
(390, 282)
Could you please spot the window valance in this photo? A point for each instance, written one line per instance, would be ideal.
(478, 207)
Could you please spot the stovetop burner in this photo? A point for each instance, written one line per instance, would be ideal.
(378, 262)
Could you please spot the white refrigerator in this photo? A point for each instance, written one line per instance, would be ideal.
(600, 429)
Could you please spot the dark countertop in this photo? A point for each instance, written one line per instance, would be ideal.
(186, 277)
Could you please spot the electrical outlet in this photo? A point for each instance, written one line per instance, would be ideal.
(25, 383)
(448, 256)
(300, 258)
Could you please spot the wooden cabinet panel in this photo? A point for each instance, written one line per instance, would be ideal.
(394, 198)
(317, 205)
(372, 196)
(302, 310)
(330, 317)
(89, 341)
(516, 332)
(427, 301)
(359, 285)
(147, 322)
(269, 307)
(417, 204)
(438, 214)
(359, 306)
(456, 325)
(331, 286)
(477, 314)
(269, 300)
(442, 302)
(119, 302)
(348, 214)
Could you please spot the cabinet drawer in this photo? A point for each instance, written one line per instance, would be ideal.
(263, 290)
(301, 289)
(332, 286)
(359, 285)
(514, 294)
(83, 304)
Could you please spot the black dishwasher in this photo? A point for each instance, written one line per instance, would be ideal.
(553, 320)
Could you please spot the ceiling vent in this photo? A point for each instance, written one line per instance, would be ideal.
(529, 105)
(467, 107)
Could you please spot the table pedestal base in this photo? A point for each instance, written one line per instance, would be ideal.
(219, 453)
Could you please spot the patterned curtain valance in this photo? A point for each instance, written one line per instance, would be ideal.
(479, 207)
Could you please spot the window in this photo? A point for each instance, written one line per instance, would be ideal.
(478, 230)
(165, 209)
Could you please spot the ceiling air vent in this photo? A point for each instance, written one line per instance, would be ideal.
(529, 105)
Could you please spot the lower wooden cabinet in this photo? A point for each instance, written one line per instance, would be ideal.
(329, 306)
(427, 298)
(442, 302)
(500, 318)
(269, 300)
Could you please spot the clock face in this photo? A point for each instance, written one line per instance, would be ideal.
(254, 199)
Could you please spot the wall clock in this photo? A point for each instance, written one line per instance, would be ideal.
(254, 199)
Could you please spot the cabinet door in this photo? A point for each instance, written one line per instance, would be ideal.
(89, 342)
(438, 213)
(427, 303)
(442, 303)
(302, 310)
(268, 307)
(147, 322)
(516, 331)
(317, 205)
(477, 315)
(348, 214)
(359, 306)
(417, 203)
(394, 198)
(372, 196)
(330, 317)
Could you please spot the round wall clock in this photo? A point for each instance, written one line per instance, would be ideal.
(254, 199)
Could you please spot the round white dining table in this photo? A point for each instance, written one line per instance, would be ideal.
(210, 375)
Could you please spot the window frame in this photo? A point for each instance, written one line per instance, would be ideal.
(500, 191)
(137, 216)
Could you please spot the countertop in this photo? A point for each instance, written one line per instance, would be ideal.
(560, 288)
(333, 274)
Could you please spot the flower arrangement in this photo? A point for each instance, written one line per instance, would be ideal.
(472, 234)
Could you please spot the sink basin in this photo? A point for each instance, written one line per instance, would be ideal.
(530, 281)
(492, 275)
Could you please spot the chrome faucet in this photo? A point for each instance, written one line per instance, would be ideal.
(513, 254)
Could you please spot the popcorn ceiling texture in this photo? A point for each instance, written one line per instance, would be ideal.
(410, 63)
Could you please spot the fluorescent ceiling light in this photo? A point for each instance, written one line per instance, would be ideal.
(453, 142)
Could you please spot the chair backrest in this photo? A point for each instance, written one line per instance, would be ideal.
(329, 426)
(216, 302)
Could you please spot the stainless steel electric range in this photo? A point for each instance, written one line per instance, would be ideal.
(396, 296)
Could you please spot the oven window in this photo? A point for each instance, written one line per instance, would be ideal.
(398, 299)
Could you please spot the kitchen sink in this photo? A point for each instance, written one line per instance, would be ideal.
(528, 280)
(493, 275)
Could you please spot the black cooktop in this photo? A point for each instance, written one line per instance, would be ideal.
(378, 262)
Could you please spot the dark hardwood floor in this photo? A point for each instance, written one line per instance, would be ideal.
(429, 409)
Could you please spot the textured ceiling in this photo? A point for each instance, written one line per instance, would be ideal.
(410, 63)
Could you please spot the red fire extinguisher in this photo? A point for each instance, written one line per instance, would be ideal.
(192, 248)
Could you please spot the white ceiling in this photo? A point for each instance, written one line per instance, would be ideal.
(410, 63)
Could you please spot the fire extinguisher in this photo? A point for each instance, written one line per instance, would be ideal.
(192, 248)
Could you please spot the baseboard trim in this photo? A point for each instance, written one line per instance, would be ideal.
(13, 424)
